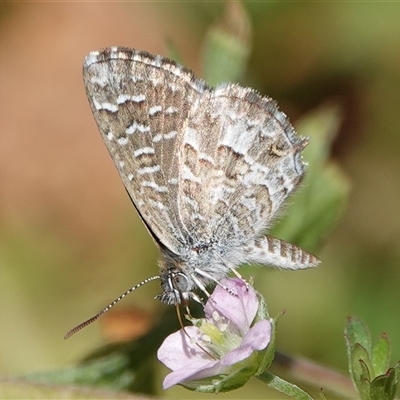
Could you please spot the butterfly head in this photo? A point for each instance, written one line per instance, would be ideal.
(177, 281)
(176, 285)
(175, 288)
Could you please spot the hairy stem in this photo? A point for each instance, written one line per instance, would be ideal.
(315, 375)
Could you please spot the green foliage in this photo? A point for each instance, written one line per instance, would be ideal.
(227, 46)
(22, 389)
(369, 364)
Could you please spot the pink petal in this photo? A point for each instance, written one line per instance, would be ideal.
(257, 338)
(239, 310)
(259, 335)
(178, 351)
(189, 373)
(187, 360)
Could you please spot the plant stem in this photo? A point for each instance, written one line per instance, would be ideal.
(283, 386)
(315, 375)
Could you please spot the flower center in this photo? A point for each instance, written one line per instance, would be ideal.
(217, 337)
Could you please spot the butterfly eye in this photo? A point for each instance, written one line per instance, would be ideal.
(180, 282)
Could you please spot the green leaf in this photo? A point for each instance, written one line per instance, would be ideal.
(369, 367)
(357, 332)
(384, 387)
(111, 371)
(361, 368)
(363, 390)
(316, 207)
(227, 46)
(22, 389)
(365, 366)
(381, 355)
(283, 386)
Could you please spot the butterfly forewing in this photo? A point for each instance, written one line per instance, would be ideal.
(140, 103)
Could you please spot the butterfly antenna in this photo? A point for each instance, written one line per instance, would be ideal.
(111, 305)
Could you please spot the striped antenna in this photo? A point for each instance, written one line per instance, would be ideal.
(111, 305)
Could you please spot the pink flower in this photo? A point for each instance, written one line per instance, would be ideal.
(223, 346)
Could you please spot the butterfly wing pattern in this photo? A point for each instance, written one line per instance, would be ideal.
(207, 169)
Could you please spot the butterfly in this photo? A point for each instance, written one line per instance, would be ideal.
(206, 169)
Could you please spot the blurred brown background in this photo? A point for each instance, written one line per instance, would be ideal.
(70, 241)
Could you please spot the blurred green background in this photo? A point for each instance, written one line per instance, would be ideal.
(70, 241)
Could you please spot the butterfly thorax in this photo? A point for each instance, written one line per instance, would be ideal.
(181, 275)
